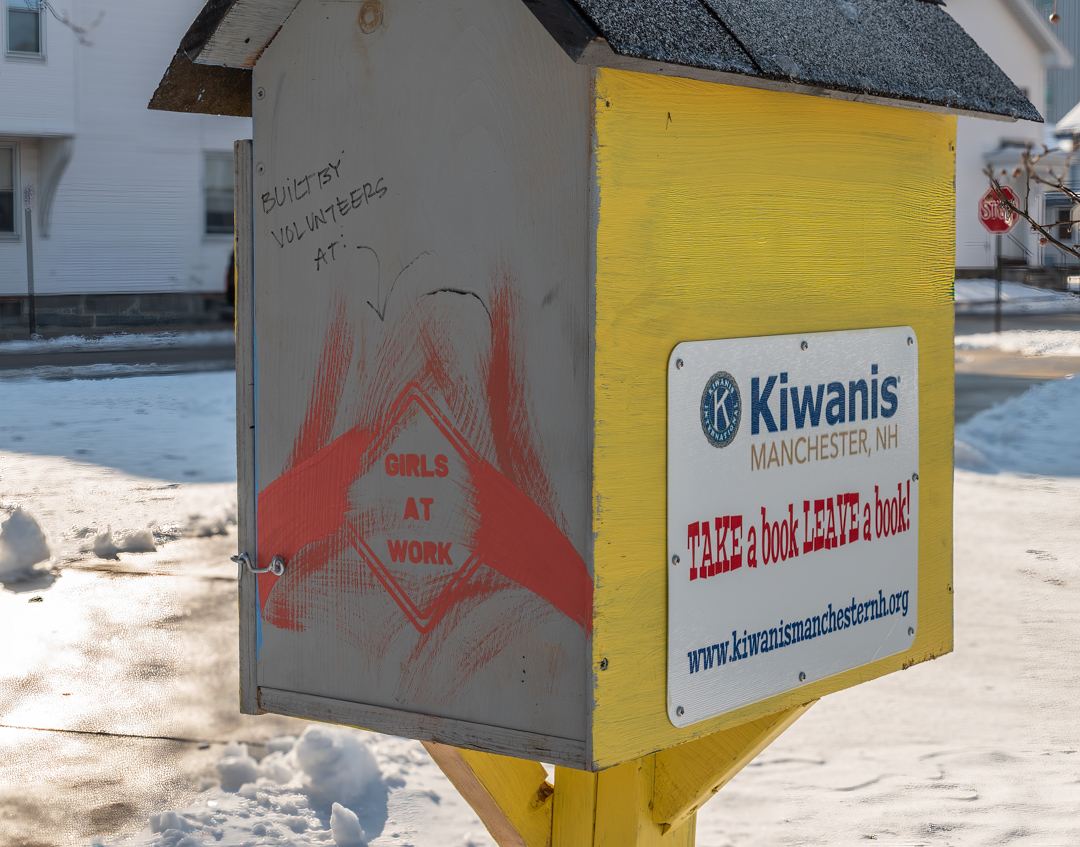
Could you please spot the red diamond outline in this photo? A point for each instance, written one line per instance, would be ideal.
(423, 619)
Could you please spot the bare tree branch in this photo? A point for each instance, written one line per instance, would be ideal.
(80, 30)
(1029, 171)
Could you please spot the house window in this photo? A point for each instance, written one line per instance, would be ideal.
(218, 192)
(7, 189)
(1064, 230)
(25, 27)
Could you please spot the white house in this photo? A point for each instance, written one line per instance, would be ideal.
(132, 208)
(1020, 40)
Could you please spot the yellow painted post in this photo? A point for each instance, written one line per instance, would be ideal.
(574, 814)
(647, 802)
(624, 800)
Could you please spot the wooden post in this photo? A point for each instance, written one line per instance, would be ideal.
(245, 420)
(648, 802)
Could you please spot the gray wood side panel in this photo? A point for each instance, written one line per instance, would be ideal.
(245, 423)
(421, 220)
(566, 752)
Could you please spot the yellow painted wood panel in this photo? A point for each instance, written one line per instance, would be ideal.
(726, 212)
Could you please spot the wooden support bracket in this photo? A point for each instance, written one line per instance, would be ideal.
(688, 775)
(648, 802)
(512, 797)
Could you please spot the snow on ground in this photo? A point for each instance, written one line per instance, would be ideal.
(120, 341)
(1036, 433)
(1024, 342)
(330, 786)
(146, 459)
(978, 747)
(976, 296)
(150, 426)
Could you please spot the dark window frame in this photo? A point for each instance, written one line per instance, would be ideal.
(24, 8)
(10, 196)
(213, 196)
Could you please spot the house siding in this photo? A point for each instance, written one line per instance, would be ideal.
(998, 32)
(127, 215)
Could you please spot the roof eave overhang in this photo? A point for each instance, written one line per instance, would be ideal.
(203, 89)
(230, 35)
(600, 55)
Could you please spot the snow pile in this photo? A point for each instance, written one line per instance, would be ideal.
(216, 522)
(1034, 433)
(345, 827)
(109, 545)
(22, 544)
(120, 341)
(139, 541)
(977, 296)
(318, 789)
(1024, 342)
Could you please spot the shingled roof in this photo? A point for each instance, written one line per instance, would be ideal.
(900, 52)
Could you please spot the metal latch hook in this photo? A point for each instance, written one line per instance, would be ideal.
(277, 565)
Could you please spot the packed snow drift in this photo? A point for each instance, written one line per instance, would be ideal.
(1035, 433)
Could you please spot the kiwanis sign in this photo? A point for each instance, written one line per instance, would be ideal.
(792, 512)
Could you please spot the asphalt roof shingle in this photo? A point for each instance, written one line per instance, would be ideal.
(895, 51)
(903, 49)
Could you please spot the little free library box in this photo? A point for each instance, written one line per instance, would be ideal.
(595, 359)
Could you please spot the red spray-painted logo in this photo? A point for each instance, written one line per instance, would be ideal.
(414, 536)
(406, 491)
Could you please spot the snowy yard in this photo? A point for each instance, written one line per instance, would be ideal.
(978, 747)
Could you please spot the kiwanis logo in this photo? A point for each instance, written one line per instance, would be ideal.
(721, 409)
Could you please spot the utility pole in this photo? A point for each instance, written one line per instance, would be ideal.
(28, 200)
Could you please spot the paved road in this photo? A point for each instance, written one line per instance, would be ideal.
(975, 392)
(209, 348)
(172, 359)
(969, 324)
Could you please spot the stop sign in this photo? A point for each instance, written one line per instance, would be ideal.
(993, 215)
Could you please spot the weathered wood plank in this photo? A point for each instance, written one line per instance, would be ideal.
(471, 736)
(422, 292)
(240, 32)
(688, 775)
(245, 425)
(511, 796)
(725, 212)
